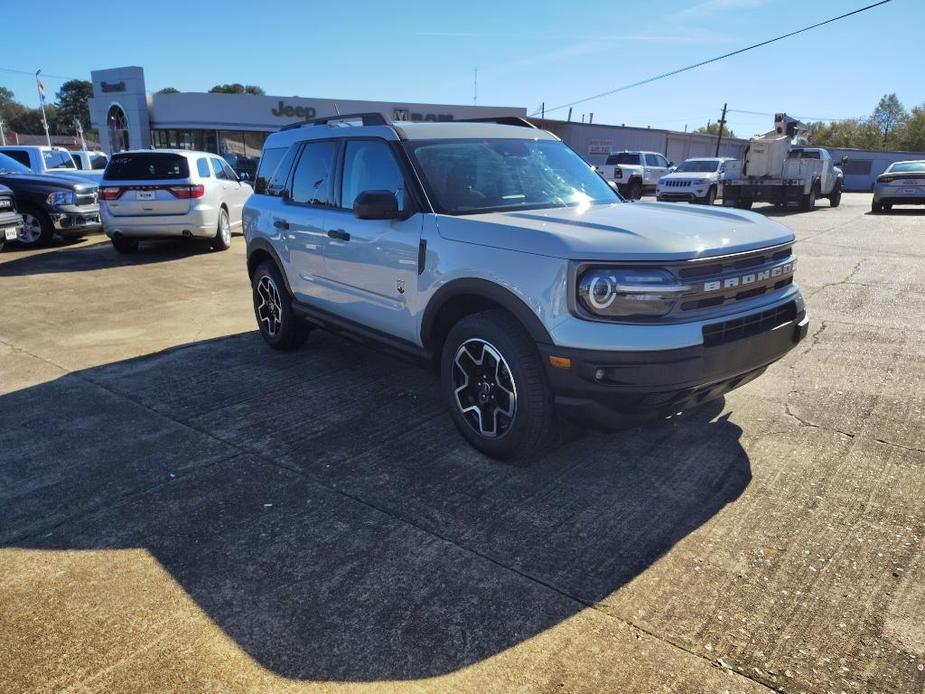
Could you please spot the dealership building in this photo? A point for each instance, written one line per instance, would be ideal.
(233, 125)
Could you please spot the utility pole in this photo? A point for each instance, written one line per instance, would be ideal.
(543, 110)
(80, 133)
(591, 117)
(475, 88)
(41, 88)
(569, 114)
(722, 122)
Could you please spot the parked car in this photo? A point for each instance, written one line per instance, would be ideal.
(88, 160)
(496, 254)
(10, 221)
(157, 194)
(53, 160)
(635, 173)
(903, 183)
(50, 204)
(695, 180)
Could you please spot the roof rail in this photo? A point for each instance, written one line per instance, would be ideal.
(370, 118)
(500, 120)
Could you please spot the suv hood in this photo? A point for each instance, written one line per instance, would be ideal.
(620, 231)
(692, 176)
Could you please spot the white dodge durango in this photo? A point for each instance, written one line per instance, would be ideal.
(156, 194)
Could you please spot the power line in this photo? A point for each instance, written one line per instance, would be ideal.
(762, 113)
(717, 58)
(31, 73)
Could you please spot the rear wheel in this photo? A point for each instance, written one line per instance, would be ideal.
(635, 189)
(222, 239)
(876, 206)
(887, 206)
(280, 327)
(123, 244)
(494, 384)
(37, 229)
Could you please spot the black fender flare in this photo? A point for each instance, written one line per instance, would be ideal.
(472, 286)
(256, 247)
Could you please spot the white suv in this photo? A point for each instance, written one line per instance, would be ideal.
(695, 180)
(156, 194)
(635, 173)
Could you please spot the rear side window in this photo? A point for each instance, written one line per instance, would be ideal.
(19, 155)
(312, 181)
(146, 166)
(79, 164)
(202, 166)
(622, 158)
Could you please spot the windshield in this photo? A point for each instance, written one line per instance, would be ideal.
(9, 165)
(907, 167)
(622, 158)
(56, 159)
(699, 166)
(468, 176)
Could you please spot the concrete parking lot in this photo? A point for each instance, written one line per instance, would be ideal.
(182, 509)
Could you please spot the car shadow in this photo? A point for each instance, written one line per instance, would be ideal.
(900, 212)
(83, 255)
(322, 510)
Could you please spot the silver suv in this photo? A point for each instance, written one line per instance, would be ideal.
(157, 194)
(497, 255)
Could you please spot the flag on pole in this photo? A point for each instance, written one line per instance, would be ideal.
(41, 91)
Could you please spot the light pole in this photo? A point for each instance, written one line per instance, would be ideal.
(42, 104)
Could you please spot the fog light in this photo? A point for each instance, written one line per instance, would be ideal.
(599, 374)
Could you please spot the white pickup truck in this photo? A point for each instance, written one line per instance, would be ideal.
(635, 173)
(54, 160)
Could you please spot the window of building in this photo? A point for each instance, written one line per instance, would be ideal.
(857, 167)
(370, 165)
(312, 181)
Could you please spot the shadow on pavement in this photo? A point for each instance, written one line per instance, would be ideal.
(322, 510)
(81, 256)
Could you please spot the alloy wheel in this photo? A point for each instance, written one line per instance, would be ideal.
(269, 310)
(224, 227)
(31, 229)
(484, 388)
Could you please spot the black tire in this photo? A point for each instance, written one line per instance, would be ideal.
(532, 425)
(124, 244)
(887, 206)
(835, 196)
(280, 327)
(635, 190)
(710, 199)
(743, 204)
(876, 206)
(222, 239)
(37, 229)
(808, 201)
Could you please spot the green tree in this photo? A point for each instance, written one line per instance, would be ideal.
(237, 88)
(9, 107)
(29, 121)
(851, 132)
(889, 116)
(73, 105)
(713, 129)
(169, 90)
(913, 139)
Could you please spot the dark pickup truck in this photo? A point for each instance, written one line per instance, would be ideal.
(10, 221)
(50, 204)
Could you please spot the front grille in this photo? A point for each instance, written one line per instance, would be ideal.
(86, 198)
(739, 328)
(6, 204)
(677, 183)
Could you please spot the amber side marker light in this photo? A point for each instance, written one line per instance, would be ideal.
(560, 362)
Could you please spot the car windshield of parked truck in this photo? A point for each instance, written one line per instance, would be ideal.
(908, 167)
(470, 176)
(623, 158)
(146, 166)
(698, 166)
(8, 165)
(56, 159)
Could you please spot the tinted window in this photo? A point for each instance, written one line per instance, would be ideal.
(279, 178)
(370, 165)
(652, 160)
(661, 160)
(56, 159)
(79, 164)
(19, 155)
(698, 166)
(146, 167)
(229, 172)
(268, 163)
(622, 158)
(98, 161)
(202, 166)
(10, 165)
(218, 169)
(312, 181)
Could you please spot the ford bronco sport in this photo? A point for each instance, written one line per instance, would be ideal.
(498, 255)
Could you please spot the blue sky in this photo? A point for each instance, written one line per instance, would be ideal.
(526, 53)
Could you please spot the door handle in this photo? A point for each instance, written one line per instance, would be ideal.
(281, 224)
(339, 234)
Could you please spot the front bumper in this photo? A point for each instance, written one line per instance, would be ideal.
(677, 196)
(73, 220)
(9, 220)
(618, 389)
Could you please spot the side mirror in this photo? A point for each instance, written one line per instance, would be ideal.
(671, 165)
(376, 204)
(844, 159)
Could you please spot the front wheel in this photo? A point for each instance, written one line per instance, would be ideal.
(494, 384)
(222, 239)
(279, 326)
(743, 204)
(808, 203)
(835, 197)
(710, 199)
(36, 229)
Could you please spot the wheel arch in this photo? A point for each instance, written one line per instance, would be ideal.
(460, 298)
(259, 250)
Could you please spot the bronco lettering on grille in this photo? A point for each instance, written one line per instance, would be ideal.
(750, 278)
